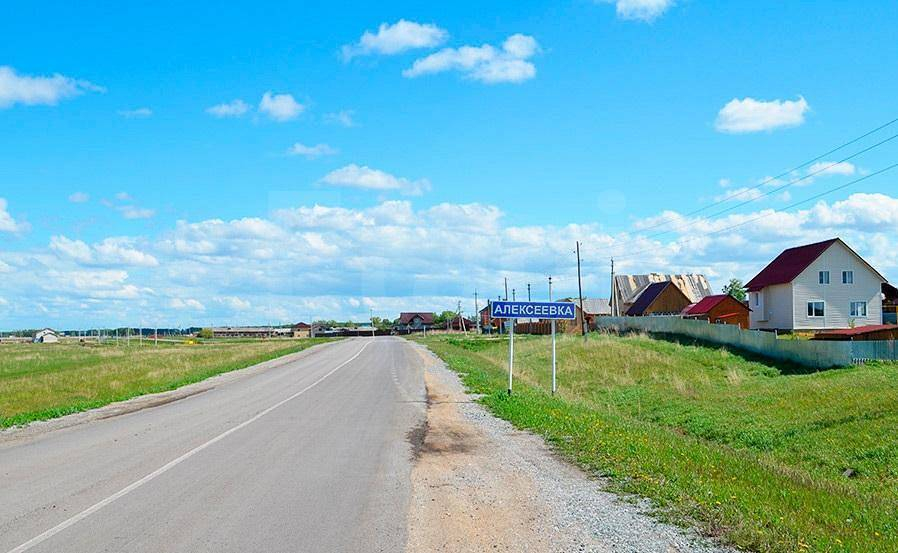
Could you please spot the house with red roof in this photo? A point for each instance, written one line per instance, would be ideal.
(825, 285)
(719, 309)
(415, 321)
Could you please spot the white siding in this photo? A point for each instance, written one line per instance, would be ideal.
(837, 296)
(775, 310)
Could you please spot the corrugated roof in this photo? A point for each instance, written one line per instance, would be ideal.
(857, 331)
(628, 287)
(593, 306)
(706, 304)
(647, 297)
(789, 265)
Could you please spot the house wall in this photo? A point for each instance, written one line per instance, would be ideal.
(837, 296)
(775, 309)
(727, 306)
(670, 301)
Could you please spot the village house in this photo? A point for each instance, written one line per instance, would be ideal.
(626, 288)
(818, 286)
(415, 321)
(592, 308)
(46, 336)
(719, 309)
(659, 298)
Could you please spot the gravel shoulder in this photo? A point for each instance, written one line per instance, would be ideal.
(481, 485)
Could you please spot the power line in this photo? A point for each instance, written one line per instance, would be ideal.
(783, 174)
(768, 214)
(753, 199)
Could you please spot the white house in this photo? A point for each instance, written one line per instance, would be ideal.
(818, 286)
(46, 336)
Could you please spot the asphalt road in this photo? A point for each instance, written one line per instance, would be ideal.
(312, 455)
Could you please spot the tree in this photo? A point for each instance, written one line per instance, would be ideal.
(445, 317)
(206, 333)
(736, 289)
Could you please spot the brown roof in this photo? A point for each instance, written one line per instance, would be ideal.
(858, 331)
(406, 318)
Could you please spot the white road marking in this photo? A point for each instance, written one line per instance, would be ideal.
(165, 468)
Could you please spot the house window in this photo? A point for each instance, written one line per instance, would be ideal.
(858, 309)
(823, 277)
(815, 309)
(757, 298)
(847, 277)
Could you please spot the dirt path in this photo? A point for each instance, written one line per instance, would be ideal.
(480, 485)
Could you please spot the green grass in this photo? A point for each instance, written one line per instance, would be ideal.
(43, 381)
(743, 448)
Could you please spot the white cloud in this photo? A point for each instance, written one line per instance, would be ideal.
(134, 212)
(750, 115)
(186, 304)
(123, 196)
(138, 113)
(396, 38)
(644, 10)
(234, 108)
(354, 176)
(280, 107)
(79, 197)
(343, 118)
(485, 63)
(311, 152)
(30, 90)
(826, 168)
(113, 251)
(7, 223)
(234, 303)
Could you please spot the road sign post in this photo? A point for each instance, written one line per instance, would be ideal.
(513, 310)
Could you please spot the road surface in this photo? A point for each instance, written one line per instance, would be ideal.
(312, 455)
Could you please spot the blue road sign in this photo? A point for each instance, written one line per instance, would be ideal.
(533, 310)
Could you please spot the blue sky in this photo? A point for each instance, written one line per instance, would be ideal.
(162, 163)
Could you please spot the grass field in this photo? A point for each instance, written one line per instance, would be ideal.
(745, 449)
(43, 381)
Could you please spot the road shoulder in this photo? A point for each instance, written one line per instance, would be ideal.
(479, 484)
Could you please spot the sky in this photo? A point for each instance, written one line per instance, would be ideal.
(169, 164)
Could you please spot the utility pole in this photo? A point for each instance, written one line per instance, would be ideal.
(512, 295)
(554, 380)
(477, 311)
(580, 289)
(506, 288)
(530, 321)
(613, 292)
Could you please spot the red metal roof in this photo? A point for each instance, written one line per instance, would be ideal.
(705, 304)
(857, 331)
(789, 265)
(406, 318)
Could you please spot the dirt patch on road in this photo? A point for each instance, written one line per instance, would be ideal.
(462, 499)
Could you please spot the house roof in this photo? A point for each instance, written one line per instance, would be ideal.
(858, 331)
(707, 304)
(789, 264)
(406, 318)
(302, 325)
(628, 287)
(592, 306)
(647, 296)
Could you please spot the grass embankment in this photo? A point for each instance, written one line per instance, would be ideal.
(43, 381)
(745, 449)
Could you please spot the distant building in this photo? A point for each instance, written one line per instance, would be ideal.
(861, 333)
(592, 307)
(414, 321)
(825, 285)
(889, 304)
(46, 336)
(719, 309)
(251, 332)
(659, 298)
(626, 288)
(302, 330)
(461, 323)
